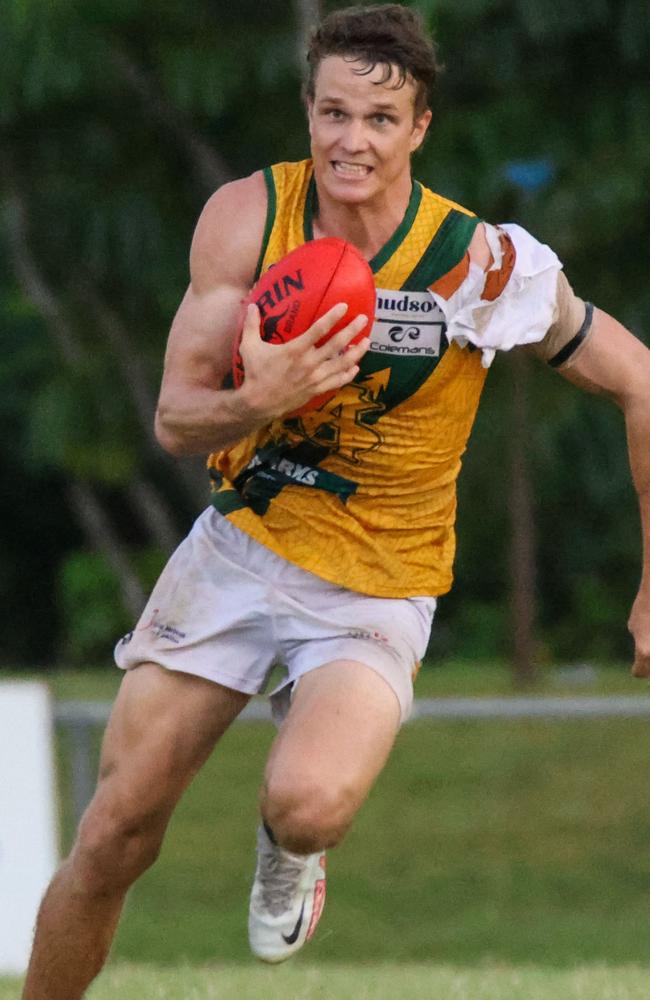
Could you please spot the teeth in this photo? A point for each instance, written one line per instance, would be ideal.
(352, 169)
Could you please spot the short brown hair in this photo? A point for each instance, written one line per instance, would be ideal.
(387, 35)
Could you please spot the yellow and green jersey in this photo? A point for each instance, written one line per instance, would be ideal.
(362, 492)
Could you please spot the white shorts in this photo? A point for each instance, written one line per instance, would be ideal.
(229, 609)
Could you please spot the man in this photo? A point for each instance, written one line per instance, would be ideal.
(340, 586)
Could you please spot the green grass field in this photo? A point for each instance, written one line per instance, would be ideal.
(493, 860)
(364, 982)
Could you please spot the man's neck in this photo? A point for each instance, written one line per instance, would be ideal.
(369, 226)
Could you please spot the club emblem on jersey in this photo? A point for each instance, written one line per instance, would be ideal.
(347, 425)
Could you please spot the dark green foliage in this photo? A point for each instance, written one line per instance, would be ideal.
(89, 600)
(88, 597)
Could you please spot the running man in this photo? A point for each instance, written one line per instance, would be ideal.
(338, 578)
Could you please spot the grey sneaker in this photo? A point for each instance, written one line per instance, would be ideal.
(286, 900)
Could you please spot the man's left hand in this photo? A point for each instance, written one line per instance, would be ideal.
(639, 626)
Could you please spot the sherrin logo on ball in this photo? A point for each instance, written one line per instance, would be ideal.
(302, 287)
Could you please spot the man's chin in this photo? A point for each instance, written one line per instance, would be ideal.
(350, 191)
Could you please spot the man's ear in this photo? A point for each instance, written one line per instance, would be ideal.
(420, 126)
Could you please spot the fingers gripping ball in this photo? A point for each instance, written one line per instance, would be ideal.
(302, 287)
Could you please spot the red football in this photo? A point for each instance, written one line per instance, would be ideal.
(303, 286)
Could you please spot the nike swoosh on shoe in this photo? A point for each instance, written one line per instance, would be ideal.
(293, 937)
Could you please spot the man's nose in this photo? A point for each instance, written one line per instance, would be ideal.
(355, 136)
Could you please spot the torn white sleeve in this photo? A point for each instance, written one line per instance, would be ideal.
(521, 314)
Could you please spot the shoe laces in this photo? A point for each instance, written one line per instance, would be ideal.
(278, 876)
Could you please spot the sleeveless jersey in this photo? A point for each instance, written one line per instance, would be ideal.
(362, 492)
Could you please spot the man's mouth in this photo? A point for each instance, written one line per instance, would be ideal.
(355, 171)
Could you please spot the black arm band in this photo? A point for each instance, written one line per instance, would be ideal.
(565, 353)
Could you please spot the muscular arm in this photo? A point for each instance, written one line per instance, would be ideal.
(613, 362)
(194, 414)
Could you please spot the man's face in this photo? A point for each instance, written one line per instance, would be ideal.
(362, 132)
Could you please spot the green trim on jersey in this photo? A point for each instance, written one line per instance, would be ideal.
(401, 232)
(227, 501)
(445, 250)
(393, 244)
(407, 376)
(311, 206)
(271, 206)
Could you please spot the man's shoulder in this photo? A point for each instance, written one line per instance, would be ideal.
(251, 195)
(229, 231)
(244, 194)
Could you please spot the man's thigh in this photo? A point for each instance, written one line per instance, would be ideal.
(338, 733)
(163, 727)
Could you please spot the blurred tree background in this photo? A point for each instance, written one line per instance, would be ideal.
(119, 119)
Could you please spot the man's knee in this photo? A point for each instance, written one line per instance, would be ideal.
(307, 816)
(114, 846)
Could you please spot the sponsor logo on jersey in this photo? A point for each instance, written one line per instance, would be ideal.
(398, 333)
(407, 323)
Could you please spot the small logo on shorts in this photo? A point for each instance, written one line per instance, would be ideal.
(163, 631)
(373, 634)
(168, 632)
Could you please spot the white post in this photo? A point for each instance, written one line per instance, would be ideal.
(28, 824)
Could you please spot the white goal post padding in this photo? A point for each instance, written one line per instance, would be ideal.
(28, 816)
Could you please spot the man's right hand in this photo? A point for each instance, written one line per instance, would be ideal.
(281, 378)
